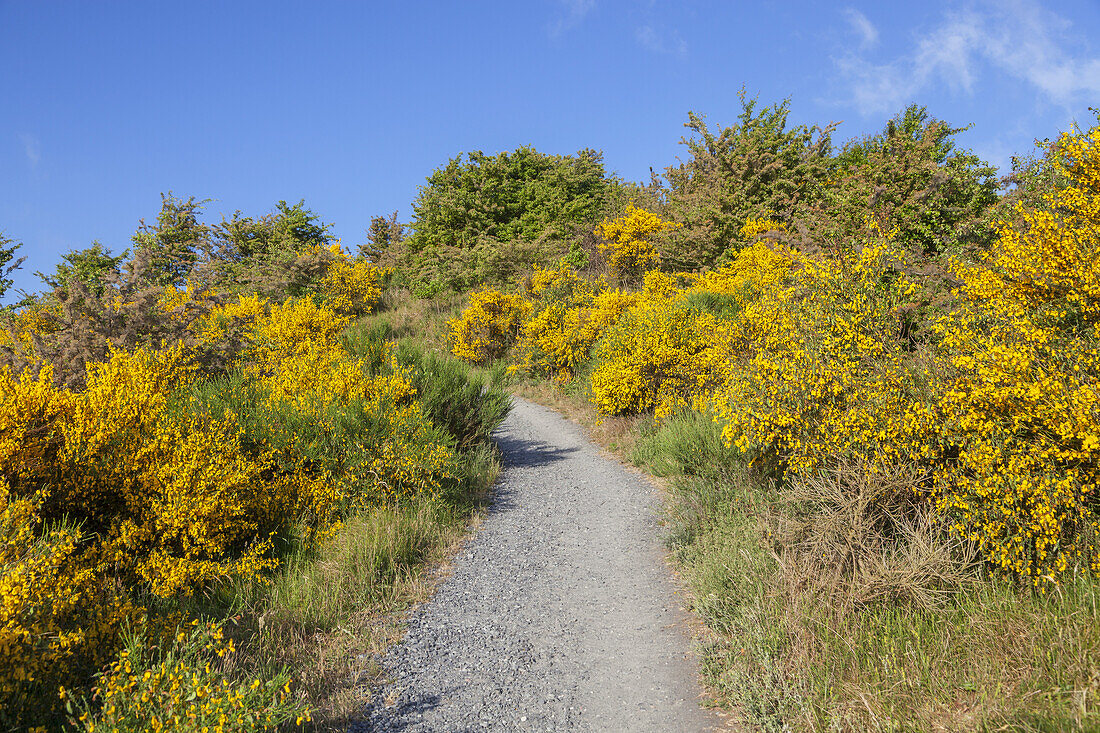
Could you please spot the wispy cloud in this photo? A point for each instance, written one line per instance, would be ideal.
(653, 39)
(1019, 38)
(573, 14)
(31, 149)
(863, 27)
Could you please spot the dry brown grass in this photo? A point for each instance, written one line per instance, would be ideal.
(860, 534)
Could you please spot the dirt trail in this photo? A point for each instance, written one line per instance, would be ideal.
(559, 613)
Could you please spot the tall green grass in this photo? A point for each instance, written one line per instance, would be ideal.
(455, 396)
(785, 653)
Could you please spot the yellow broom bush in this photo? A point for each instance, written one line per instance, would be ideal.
(351, 287)
(1022, 403)
(1000, 408)
(627, 241)
(42, 585)
(488, 326)
(21, 327)
(759, 267)
(181, 688)
(823, 373)
(676, 343)
(662, 355)
(559, 337)
(140, 484)
(171, 499)
(754, 227)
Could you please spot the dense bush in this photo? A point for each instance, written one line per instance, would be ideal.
(152, 478)
(673, 347)
(559, 339)
(511, 195)
(180, 270)
(659, 356)
(998, 404)
(627, 240)
(181, 688)
(755, 168)
(488, 326)
(911, 179)
(568, 312)
(487, 219)
(1021, 403)
(48, 632)
(453, 397)
(821, 368)
(351, 287)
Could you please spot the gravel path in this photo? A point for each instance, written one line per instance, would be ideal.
(558, 614)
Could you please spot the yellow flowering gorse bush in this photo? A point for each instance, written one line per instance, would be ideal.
(627, 241)
(154, 480)
(488, 326)
(22, 326)
(1022, 402)
(673, 348)
(41, 587)
(660, 356)
(352, 287)
(754, 227)
(822, 373)
(181, 689)
(568, 315)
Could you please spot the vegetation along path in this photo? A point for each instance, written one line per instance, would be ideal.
(559, 614)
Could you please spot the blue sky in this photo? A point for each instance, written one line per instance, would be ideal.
(350, 105)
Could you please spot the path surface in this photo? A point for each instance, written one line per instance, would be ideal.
(558, 614)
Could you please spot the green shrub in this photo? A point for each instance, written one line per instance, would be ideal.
(688, 443)
(454, 396)
(184, 688)
(485, 219)
(757, 167)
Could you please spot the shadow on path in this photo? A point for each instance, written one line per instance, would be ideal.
(405, 714)
(520, 453)
(527, 453)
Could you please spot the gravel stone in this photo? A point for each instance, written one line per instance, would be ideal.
(560, 613)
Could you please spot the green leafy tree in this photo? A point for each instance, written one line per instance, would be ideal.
(285, 231)
(9, 263)
(484, 218)
(384, 233)
(756, 168)
(301, 225)
(166, 252)
(914, 182)
(517, 195)
(93, 267)
(279, 252)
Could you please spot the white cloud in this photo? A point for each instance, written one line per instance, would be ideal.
(866, 30)
(1019, 38)
(31, 149)
(652, 39)
(575, 11)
